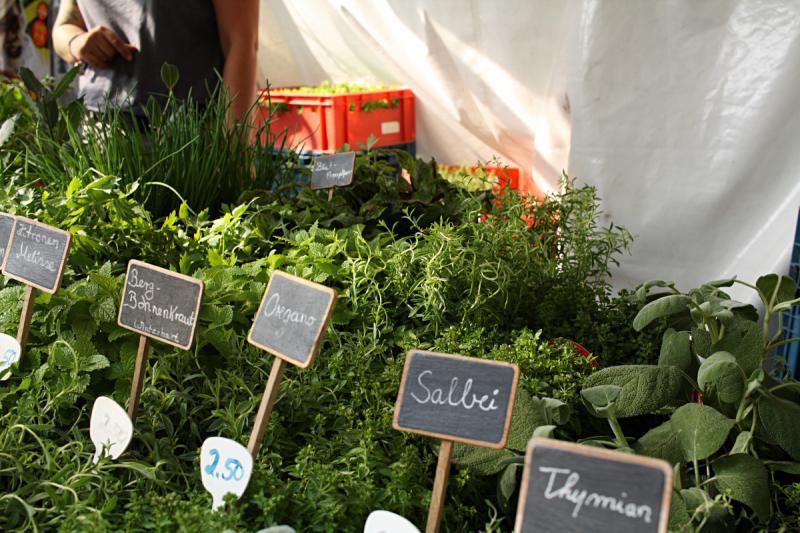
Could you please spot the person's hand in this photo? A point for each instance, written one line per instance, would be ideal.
(98, 46)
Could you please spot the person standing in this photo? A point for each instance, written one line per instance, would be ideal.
(124, 43)
(11, 36)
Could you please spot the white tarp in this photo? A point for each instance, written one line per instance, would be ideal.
(684, 114)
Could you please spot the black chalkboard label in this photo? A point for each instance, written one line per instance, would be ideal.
(37, 254)
(335, 170)
(292, 318)
(457, 398)
(571, 488)
(6, 227)
(160, 304)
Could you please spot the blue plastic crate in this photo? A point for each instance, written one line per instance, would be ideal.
(791, 352)
(307, 157)
(791, 320)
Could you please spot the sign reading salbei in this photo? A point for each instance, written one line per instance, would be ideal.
(160, 304)
(292, 318)
(570, 488)
(36, 254)
(457, 398)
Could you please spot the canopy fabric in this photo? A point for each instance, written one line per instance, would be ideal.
(684, 114)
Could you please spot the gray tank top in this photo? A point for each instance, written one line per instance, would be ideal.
(181, 32)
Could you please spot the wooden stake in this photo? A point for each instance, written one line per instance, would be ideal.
(138, 376)
(440, 487)
(25, 318)
(330, 194)
(265, 409)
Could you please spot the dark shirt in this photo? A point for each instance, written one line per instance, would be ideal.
(181, 32)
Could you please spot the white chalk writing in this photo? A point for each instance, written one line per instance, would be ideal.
(437, 395)
(35, 257)
(28, 231)
(583, 498)
(274, 308)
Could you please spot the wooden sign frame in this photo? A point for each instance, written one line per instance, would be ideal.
(512, 400)
(599, 453)
(62, 263)
(194, 281)
(325, 321)
(11, 234)
(353, 177)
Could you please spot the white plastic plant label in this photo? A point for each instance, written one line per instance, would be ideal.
(386, 522)
(110, 428)
(225, 466)
(9, 354)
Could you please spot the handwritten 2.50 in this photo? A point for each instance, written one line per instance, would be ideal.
(234, 471)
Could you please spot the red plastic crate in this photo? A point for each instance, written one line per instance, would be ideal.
(325, 122)
(505, 175)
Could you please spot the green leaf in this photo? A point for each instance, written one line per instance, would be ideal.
(65, 82)
(601, 396)
(508, 482)
(666, 306)
(707, 508)
(702, 430)
(96, 362)
(661, 442)
(525, 417)
(721, 375)
(701, 342)
(531, 413)
(745, 340)
(776, 289)
(645, 388)
(644, 289)
(481, 461)
(557, 411)
(780, 418)
(678, 515)
(787, 467)
(744, 479)
(544, 432)
(30, 80)
(676, 351)
(742, 444)
(7, 129)
(170, 75)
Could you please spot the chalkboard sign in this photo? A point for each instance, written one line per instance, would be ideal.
(335, 170)
(37, 254)
(6, 226)
(570, 488)
(160, 304)
(292, 318)
(457, 398)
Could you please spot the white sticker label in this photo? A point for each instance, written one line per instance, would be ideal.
(110, 428)
(9, 354)
(387, 128)
(225, 466)
(386, 522)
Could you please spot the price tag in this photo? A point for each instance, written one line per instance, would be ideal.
(9, 354)
(225, 466)
(110, 428)
(386, 522)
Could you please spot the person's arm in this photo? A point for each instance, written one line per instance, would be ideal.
(237, 21)
(75, 43)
